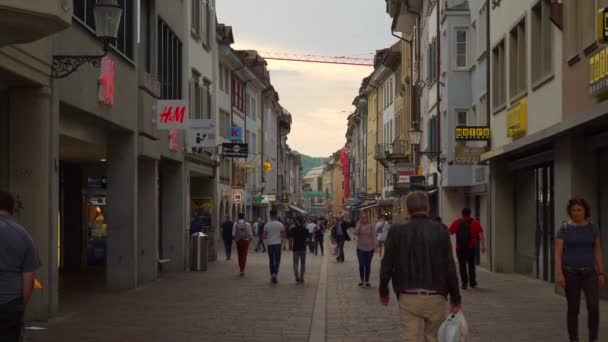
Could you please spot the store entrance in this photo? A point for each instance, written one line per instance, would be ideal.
(534, 223)
(603, 207)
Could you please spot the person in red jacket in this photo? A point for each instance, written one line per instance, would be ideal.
(468, 231)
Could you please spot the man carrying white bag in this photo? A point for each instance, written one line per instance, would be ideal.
(454, 329)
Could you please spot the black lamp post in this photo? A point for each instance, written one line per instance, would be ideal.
(415, 139)
(107, 14)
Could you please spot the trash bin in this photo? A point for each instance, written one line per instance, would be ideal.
(198, 252)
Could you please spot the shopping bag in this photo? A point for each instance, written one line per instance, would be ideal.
(334, 249)
(454, 329)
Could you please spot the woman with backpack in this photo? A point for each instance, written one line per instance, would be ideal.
(579, 266)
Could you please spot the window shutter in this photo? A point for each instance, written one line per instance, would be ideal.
(192, 101)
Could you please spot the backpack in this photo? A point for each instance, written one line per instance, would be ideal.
(242, 232)
(463, 236)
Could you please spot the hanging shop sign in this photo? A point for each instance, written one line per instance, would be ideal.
(598, 73)
(238, 196)
(172, 114)
(517, 119)
(202, 134)
(472, 133)
(405, 171)
(235, 150)
(236, 133)
(417, 183)
(202, 203)
(602, 25)
(468, 155)
(313, 194)
(107, 73)
(272, 198)
(174, 140)
(432, 180)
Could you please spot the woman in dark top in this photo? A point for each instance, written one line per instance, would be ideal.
(579, 266)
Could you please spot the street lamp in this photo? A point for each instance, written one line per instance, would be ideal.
(107, 15)
(415, 139)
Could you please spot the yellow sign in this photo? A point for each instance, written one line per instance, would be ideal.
(202, 203)
(598, 73)
(472, 133)
(517, 119)
(602, 25)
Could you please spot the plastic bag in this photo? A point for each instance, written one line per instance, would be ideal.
(334, 249)
(454, 329)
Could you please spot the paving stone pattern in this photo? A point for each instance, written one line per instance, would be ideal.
(218, 305)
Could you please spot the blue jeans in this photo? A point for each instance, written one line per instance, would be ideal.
(365, 264)
(274, 255)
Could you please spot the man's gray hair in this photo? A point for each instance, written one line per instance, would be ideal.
(417, 201)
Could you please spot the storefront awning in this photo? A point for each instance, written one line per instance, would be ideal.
(299, 210)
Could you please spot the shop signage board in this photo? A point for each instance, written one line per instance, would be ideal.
(238, 196)
(174, 140)
(202, 133)
(236, 133)
(598, 73)
(468, 155)
(517, 119)
(312, 194)
(172, 114)
(405, 171)
(602, 25)
(472, 133)
(417, 183)
(263, 199)
(107, 79)
(202, 203)
(235, 150)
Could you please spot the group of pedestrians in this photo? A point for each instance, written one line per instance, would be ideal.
(303, 236)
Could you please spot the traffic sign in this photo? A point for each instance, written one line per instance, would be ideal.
(238, 196)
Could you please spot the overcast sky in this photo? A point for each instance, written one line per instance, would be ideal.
(319, 96)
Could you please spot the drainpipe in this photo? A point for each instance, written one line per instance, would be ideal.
(438, 82)
(488, 117)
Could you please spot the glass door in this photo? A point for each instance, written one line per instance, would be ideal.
(545, 225)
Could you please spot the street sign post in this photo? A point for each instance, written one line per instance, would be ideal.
(236, 133)
(235, 150)
(238, 196)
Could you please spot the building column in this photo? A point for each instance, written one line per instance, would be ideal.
(147, 213)
(33, 180)
(503, 220)
(173, 213)
(122, 249)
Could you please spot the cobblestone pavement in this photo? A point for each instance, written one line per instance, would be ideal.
(218, 305)
(505, 308)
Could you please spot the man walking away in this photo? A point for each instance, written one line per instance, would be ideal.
(311, 226)
(258, 230)
(340, 236)
(242, 235)
(227, 236)
(418, 259)
(468, 231)
(18, 261)
(300, 236)
(274, 233)
(319, 237)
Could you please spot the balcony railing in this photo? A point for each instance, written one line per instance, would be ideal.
(398, 151)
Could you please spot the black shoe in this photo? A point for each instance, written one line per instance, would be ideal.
(297, 280)
(368, 284)
(464, 287)
(361, 284)
(474, 286)
(242, 274)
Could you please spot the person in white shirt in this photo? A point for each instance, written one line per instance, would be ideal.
(311, 226)
(274, 233)
(382, 228)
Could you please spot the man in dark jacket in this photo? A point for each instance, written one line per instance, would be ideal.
(340, 235)
(419, 260)
(227, 236)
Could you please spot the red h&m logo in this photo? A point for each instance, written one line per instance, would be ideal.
(107, 81)
(171, 114)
